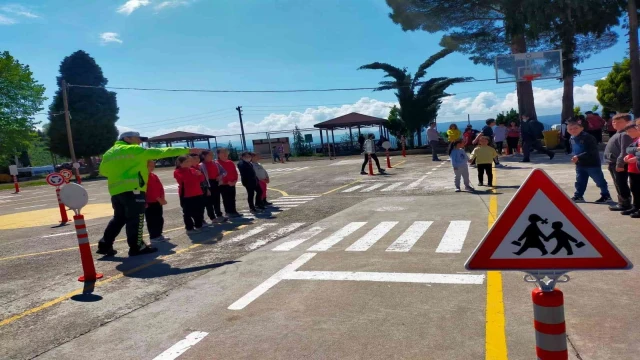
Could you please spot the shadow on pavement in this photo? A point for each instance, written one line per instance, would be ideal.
(87, 293)
(162, 269)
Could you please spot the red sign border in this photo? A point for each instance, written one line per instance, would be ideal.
(480, 259)
(50, 175)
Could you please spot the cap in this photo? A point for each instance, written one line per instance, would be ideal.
(132, 134)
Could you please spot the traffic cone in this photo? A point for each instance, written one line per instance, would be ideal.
(370, 166)
(63, 211)
(388, 161)
(15, 184)
(86, 258)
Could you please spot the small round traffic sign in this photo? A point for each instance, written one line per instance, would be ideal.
(386, 145)
(66, 174)
(74, 196)
(76, 165)
(55, 179)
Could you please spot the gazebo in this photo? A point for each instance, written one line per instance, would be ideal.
(182, 136)
(349, 121)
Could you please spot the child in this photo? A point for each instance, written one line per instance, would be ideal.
(614, 154)
(468, 137)
(488, 132)
(459, 160)
(499, 136)
(634, 172)
(250, 182)
(190, 192)
(212, 174)
(263, 178)
(587, 159)
(453, 133)
(484, 156)
(155, 201)
(228, 183)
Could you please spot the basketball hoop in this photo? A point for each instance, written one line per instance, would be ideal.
(530, 77)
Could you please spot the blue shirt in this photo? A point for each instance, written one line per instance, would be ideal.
(576, 146)
(458, 158)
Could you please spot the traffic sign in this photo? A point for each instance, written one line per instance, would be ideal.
(55, 179)
(543, 229)
(13, 170)
(74, 196)
(386, 145)
(66, 174)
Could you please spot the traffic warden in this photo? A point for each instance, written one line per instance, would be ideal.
(125, 167)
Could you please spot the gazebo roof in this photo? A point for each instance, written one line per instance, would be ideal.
(350, 120)
(177, 136)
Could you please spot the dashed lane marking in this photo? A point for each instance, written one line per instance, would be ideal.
(182, 346)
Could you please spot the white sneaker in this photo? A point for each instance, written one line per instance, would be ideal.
(457, 190)
(160, 238)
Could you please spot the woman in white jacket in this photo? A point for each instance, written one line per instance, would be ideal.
(370, 149)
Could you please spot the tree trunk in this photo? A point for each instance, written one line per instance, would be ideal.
(88, 161)
(567, 97)
(419, 133)
(568, 51)
(524, 89)
(634, 56)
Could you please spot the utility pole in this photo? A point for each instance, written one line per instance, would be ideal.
(244, 141)
(67, 121)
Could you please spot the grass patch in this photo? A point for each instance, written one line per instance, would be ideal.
(24, 184)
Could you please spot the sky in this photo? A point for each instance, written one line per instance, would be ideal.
(254, 45)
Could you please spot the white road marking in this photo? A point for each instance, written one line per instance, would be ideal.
(168, 187)
(53, 235)
(270, 282)
(392, 186)
(416, 183)
(387, 277)
(28, 207)
(296, 239)
(274, 235)
(354, 188)
(348, 162)
(181, 346)
(372, 187)
(250, 233)
(298, 202)
(453, 238)
(434, 169)
(410, 236)
(370, 238)
(289, 273)
(335, 238)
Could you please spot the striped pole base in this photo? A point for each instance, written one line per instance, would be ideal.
(86, 258)
(548, 321)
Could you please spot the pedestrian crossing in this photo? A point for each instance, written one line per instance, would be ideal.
(285, 170)
(291, 201)
(421, 183)
(323, 238)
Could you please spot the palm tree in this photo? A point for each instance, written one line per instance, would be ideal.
(419, 100)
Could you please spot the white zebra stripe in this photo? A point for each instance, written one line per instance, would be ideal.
(296, 239)
(454, 237)
(354, 188)
(372, 187)
(410, 236)
(370, 238)
(415, 184)
(392, 186)
(336, 237)
(274, 235)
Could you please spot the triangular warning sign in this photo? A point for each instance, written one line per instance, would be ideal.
(543, 229)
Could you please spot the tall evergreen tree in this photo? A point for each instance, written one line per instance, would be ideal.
(93, 111)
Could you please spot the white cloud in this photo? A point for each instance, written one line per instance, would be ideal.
(171, 4)
(109, 37)
(132, 5)
(10, 12)
(4, 20)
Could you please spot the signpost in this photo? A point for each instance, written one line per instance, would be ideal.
(545, 234)
(76, 197)
(76, 166)
(57, 180)
(67, 175)
(13, 171)
(386, 146)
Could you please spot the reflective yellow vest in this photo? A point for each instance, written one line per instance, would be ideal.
(125, 165)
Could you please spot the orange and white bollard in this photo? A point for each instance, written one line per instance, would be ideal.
(63, 211)
(15, 184)
(550, 328)
(78, 177)
(370, 166)
(388, 161)
(86, 258)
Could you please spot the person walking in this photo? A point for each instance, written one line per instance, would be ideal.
(434, 139)
(125, 167)
(484, 156)
(370, 149)
(513, 137)
(531, 130)
(587, 159)
(459, 161)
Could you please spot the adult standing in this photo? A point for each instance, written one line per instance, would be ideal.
(125, 167)
(531, 130)
(596, 124)
(370, 150)
(513, 137)
(434, 139)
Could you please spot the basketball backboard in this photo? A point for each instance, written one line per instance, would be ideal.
(529, 66)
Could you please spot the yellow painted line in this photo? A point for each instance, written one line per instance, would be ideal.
(495, 336)
(107, 280)
(342, 187)
(44, 217)
(280, 191)
(66, 249)
(400, 163)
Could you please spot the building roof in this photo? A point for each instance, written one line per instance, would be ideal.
(177, 136)
(350, 120)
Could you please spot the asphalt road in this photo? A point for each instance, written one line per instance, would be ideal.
(345, 267)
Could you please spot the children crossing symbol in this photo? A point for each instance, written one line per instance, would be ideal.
(542, 229)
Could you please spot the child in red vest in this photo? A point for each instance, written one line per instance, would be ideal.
(190, 192)
(155, 202)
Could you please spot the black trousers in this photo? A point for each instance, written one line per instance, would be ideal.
(228, 194)
(485, 168)
(499, 145)
(621, 181)
(212, 202)
(192, 211)
(366, 160)
(535, 144)
(128, 210)
(596, 134)
(254, 195)
(634, 185)
(155, 220)
(512, 143)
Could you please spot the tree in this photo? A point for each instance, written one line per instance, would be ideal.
(482, 29)
(233, 153)
(419, 100)
(93, 110)
(394, 123)
(21, 97)
(508, 117)
(614, 91)
(300, 146)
